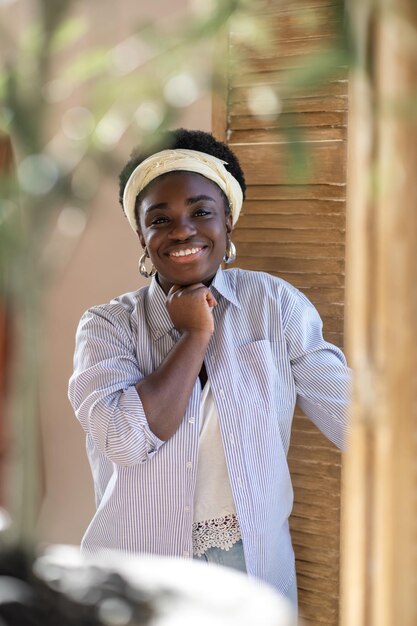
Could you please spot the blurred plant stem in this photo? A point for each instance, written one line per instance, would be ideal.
(24, 225)
(26, 464)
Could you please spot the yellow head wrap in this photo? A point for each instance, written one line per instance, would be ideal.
(181, 160)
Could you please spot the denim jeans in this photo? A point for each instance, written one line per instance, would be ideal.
(233, 558)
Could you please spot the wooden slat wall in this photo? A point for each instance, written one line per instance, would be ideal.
(296, 230)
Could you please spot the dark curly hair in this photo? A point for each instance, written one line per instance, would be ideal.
(190, 140)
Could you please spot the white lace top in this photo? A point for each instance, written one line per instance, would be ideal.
(215, 521)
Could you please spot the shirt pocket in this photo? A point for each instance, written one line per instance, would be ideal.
(265, 377)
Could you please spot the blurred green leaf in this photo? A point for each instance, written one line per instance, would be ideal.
(319, 67)
(3, 84)
(31, 39)
(88, 65)
(6, 118)
(68, 33)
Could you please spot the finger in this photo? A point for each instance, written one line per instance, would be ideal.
(196, 289)
(174, 289)
(211, 300)
(205, 293)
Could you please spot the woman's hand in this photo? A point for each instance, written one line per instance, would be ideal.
(190, 308)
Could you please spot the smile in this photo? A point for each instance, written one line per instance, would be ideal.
(187, 255)
(187, 252)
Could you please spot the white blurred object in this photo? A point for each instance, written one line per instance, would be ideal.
(5, 520)
(181, 592)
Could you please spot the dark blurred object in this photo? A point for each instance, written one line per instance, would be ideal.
(101, 597)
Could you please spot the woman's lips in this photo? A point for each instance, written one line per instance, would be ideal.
(186, 255)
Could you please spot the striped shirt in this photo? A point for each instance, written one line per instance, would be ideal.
(267, 353)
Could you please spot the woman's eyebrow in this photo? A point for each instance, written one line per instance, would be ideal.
(198, 198)
(153, 207)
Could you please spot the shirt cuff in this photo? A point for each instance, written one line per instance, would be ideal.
(132, 407)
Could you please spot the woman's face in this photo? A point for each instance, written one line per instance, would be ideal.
(184, 227)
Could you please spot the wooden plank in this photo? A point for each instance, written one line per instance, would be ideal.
(289, 207)
(329, 89)
(305, 104)
(335, 192)
(272, 7)
(302, 23)
(291, 251)
(272, 164)
(317, 571)
(302, 280)
(302, 221)
(273, 135)
(316, 510)
(308, 544)
(293, 59)
(283, 264)
(302, 466)
(265, 56)
(311, 495)
(326, 582)
(303, 450)
(310, 482)
(311, 526)
(247, 78)
(287, 121)
(302, 445)
(316, 604)
(296, 234)
(324, 295)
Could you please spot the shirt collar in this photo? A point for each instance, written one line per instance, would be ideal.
(224, 283)
(157, 317)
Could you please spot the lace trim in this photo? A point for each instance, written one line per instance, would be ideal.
(222, 532)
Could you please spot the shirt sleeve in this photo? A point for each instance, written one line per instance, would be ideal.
(322, 378)
(102, 388)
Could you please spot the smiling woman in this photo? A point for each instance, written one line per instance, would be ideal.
(186, 388)
(184, 227)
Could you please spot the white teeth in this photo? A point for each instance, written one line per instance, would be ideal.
(186, 252)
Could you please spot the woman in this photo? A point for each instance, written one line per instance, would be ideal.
(186, 388)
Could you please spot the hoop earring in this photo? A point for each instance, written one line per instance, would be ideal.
(142, 267)
(230, 255)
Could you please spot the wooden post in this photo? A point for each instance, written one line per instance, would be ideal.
(380, 478)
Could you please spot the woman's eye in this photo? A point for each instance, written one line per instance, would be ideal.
(199, 212)
(158, 220)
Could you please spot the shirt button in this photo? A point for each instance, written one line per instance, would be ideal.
(186, 553)
(222, 394)
(187, 509)
(189, 465)
(191, 420)
(239, 482)
(232, 439)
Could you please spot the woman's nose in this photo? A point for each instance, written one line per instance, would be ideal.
(182, 229)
